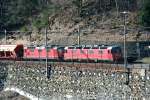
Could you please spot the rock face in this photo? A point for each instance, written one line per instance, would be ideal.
(72, 84)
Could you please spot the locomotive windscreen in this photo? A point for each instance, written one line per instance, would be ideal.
(116, 50)
(19, 51)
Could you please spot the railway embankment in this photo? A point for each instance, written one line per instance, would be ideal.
(72, 83)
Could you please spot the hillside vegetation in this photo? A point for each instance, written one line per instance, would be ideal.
(94, 18)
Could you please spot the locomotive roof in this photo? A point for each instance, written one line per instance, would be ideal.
(75, 46)
(43, 46)
(92, 47)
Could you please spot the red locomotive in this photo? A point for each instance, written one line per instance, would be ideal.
(95, 53)
(84, 52)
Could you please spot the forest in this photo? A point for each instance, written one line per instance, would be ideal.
(17, 13)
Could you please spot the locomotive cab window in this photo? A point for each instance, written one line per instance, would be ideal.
(116, 50)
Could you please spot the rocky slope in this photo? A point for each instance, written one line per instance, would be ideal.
(93, 25)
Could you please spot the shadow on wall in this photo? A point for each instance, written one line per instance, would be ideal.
(3, 75)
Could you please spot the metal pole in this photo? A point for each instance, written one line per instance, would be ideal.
(5, 36)
(125, 62)
(125, 52)
(46, 52)
(138, 49)
(79, 35)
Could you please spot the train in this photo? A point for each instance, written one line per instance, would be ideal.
(112, 53)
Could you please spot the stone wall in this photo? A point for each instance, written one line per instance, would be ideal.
(81, 85)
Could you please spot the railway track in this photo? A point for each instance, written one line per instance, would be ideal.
(110, 67)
